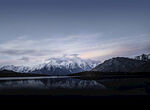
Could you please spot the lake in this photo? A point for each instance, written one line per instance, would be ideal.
(66, 85)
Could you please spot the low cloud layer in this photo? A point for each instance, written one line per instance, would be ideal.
(24, 50)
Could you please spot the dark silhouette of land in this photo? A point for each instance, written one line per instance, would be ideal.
(6, 73)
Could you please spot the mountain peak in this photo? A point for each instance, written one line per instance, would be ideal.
(143, 57)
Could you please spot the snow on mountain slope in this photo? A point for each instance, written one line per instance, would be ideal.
(143, 57)
(21, 69)
(56, 66)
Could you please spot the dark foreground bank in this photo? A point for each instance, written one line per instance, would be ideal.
(88, 100)
(102, 75)
(6, 73)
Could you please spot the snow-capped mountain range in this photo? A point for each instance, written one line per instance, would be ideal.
(56, 66)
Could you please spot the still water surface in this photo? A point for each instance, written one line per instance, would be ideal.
(50, 82)
(123, 86)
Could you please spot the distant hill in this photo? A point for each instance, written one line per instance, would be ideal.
(119, 64)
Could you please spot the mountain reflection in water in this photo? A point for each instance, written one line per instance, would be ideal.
(75, 86)
(51, 83)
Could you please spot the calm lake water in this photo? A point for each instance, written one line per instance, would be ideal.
(52, 82)
(123, 86)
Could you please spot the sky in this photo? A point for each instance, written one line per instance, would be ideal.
(34, 30)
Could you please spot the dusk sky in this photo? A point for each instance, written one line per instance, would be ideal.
(32, 31)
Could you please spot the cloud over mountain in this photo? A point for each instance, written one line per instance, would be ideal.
(83, 46)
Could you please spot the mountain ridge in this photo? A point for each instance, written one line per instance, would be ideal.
(123, 64)
(66, 66)
(56, 66)
(118, 64)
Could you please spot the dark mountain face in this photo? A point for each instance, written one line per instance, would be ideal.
(143, 68)
(57, 71)
(119, 64)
